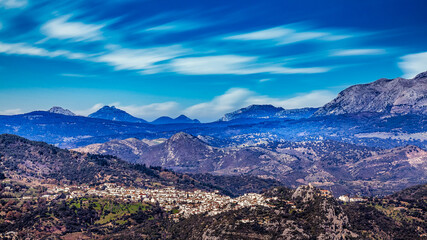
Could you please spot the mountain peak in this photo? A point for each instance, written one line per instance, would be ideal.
(181, 135)
(115, 114)
(421, 75)
(60, 110)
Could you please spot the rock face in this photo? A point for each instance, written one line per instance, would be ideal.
(389, 96)
(60, 110)
(169, 120)
(115, 114)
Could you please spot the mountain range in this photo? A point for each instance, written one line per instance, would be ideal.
(344, 168)
(30, 171)
(382, 126)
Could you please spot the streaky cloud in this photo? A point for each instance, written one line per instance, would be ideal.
(234, 64)
(359, 52)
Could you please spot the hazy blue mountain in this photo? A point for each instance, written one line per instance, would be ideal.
(179, 119)
(115, 114)
(387, 96)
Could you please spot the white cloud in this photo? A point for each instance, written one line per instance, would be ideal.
(90, 110)
(11, 111)
(233, 64)
(412, 64)
(25, 49)
(286, 35)
(13, 3)
(61, 28)
(140, 59)
(236, 98)
(358, 52)
(152, 111)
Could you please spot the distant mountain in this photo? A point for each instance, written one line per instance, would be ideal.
(60, 110)
(340, 166)
(268, 112)
(179, 119)
(253, 111)
(387, 96)
(115, 114)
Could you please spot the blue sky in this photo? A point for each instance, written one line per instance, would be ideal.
(201, 58)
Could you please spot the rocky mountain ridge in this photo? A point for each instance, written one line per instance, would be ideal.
(387, 96)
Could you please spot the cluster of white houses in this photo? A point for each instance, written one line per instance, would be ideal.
(186, 202)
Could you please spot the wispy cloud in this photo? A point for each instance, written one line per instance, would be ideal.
(62, 28)
(175, 26)
(287, 34)
(11, 111)
(25, 49)
(233, 64)
(236, 98)
(412, 64)
(141, 59)
(13, 3)
(358, 52)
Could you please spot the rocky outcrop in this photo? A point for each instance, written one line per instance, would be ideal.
(60, 110)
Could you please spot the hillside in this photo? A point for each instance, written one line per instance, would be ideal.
(25, 160)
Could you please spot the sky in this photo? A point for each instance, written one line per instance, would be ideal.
(201, 58)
